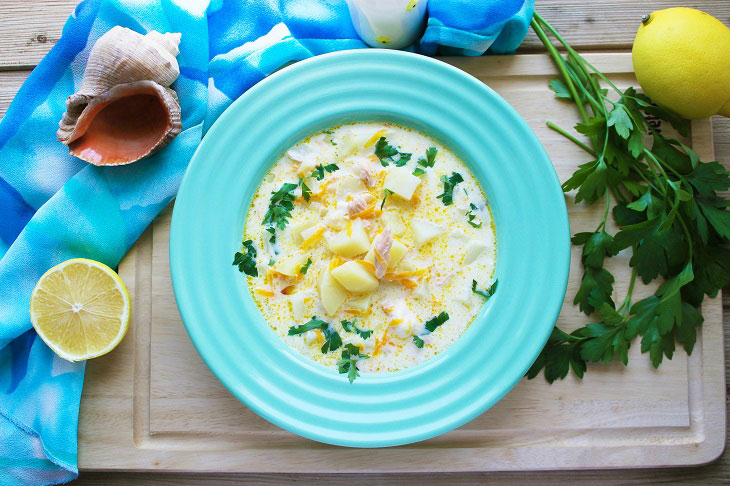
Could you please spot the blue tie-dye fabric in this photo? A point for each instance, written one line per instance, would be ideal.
(54, 207)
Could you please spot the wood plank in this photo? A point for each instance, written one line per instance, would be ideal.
(28, 29)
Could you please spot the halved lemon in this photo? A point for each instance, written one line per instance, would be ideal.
(81, 309)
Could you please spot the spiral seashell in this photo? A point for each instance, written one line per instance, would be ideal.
(124, 109)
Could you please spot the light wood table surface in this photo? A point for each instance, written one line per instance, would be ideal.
(29, 28)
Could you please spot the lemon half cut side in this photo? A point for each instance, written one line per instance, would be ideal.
(81, 309)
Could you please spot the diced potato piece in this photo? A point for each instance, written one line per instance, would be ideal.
(393, 222)
(397, 251)
(297, 305)
(331, 293)
(348, 246)
(425, 231)
(355, 277)
(299, 226)
(350, 144)
(350, 185)
(290, 265)
(311, 235)
(361, 302)
(306, 167)
(473, 249)
(402, 182)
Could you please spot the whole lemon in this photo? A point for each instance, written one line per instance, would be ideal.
(682, 62)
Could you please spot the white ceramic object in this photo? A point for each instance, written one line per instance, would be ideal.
(391, 24)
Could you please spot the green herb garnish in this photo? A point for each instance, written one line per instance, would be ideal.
(669, 214)
(484, 293)
(427, 163)
(430, 326)
(332, 338)
(436, 321)
(306, 191)
(272, 230)
(247, 261)
(350, 326)
(319, 171)
(472, 218)
(385, 154)
(305, 267)
(348, 364)
(280, 206)
(386, 193)
(449, 184)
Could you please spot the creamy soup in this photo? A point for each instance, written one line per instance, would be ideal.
(369, 248)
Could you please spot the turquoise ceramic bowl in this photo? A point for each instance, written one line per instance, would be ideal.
(532, 248)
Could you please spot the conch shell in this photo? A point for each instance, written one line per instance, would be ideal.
(124, 109)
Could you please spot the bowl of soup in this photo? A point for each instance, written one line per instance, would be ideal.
(369, 248)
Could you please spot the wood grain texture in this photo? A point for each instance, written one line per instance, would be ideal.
(28, 28)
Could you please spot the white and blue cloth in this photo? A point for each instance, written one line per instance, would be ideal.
(54, 207)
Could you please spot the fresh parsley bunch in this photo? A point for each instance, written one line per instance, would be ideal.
(671, 218)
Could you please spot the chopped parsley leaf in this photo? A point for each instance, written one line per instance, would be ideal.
(449, 184)
(386, 193)
(484, 293)
(350, 326)
(385, 153)
(404, 157)
(247, 261)
(418, 342)
(272, 230)
(433, 323)
(280, 207)
(348, 364)
(427, 163)
(333, 142)
(318, 172)
(332, 338)
(418, 171)
(306, 191)
(271, 262)
(305, 267)
(472, 218)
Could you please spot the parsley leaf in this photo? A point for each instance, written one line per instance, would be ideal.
(280, 206)
(272, 230)
(319, 171)
(385, 153)
(306, 191)
(348, 364)
(418, 171)
(472, 218)
(350, 326)
(305, 267)
(418, 342)
(484, 293)
(386, 193)
(247, 261)
(332, 338)
(449, 184)
(433, 323)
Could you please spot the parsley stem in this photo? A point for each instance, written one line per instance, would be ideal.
(626, 304)
(559, 62)
(605, 213)
(571, 138)
(572, 51)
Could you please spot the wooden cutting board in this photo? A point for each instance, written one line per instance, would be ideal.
(152, 404)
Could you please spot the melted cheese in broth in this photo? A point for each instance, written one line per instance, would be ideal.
(389, 266)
